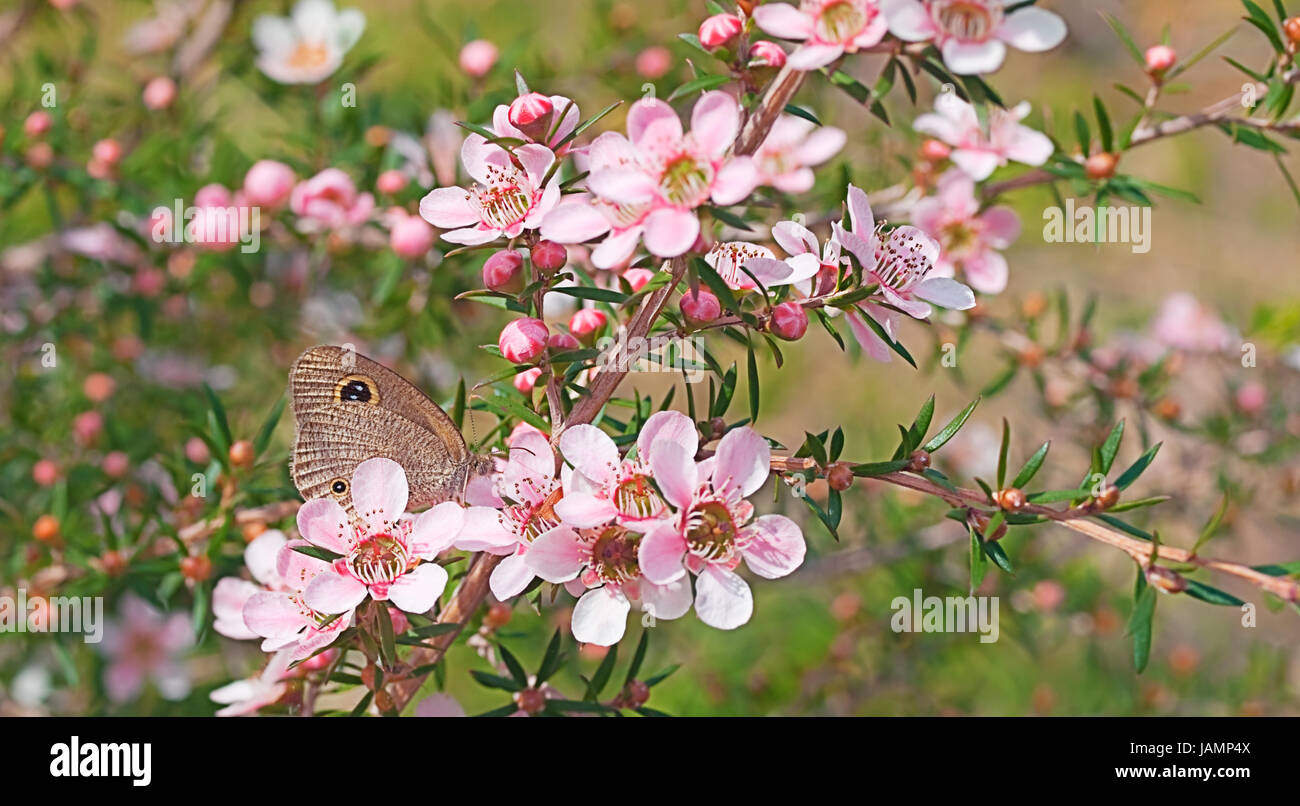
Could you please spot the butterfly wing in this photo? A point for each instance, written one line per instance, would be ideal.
(350, 409)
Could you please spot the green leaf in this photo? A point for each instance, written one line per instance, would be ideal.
(950, 430)
(893, 345)
(512, 664)
(1082, 133)
(1214, 596)
(878, 468)
(921, 423)
(656, 679)
(1002, 454)
(638, 657)
(597, 294)
(495, 681)
(753, 385)
(1031, 467)
(219, 415)
(387, 641)
(1109, 448)
(1103, 124)
(701, 84)
(979, 563)
(1137, 468)
(601, 677)
(317, 552)
(1126, 38)
(1139, 624)
(551, 660)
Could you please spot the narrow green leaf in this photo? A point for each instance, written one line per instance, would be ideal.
(950, 430)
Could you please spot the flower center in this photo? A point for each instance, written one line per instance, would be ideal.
(636, 498)
(614, 555)
(710, 531)
(685, 182)
(900, 261)
(728, 258)
(506, 199)
(958, 238)
(969, 20)
(378, 559)
(308, 55)
(840, 21)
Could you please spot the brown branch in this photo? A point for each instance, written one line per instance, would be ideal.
(1076, 520)
(267, 513)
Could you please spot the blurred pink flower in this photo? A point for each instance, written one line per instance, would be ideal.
(653, 62)
(973, 34)
(146, 645)
(389, 557)
(978, 153)
(792, 148)
(968, 237)
(827, 28)
(269, 183)
(159, 93)
(307, 46)
(509, 198)
(478, 57)
(244, 697)
(230, 594)
(410, 236)
(330, 200)
(1183, 323)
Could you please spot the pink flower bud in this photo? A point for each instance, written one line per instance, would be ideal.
(586, 323)
(560, 342)
(148, 281)
(159, 93)
(268, 183)
(411, 237)
(98, 387)
(38, 123)
(1252, 397)
(391, 182)
(530, 108)
(196, 450)
(107, 151)
(478, 57)
(400, 622)
(115, 465)
(523, 341)
(213, 195)
(549, 256)
(789, 321)
(935, 150)
(504, 272)
(526, 380)
(719, 29)
(45, 472)
(1160, 58)
(87, 426)
(701, 307)
(39, 155)
(653, 62)
(766, 53)
(637, 278)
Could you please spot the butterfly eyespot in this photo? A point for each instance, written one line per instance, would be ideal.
(339, 486)
(356, 389)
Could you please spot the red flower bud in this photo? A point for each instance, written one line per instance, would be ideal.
(504, 272)
(549, 256)
(789, 321)
(700, 307)
(717, 30)
(523, 340)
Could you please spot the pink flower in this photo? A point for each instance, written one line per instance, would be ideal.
(606, 488)
(1183, 323)
(268, 183)
(653, 62)
(968, 237)
(1159, 58)
(719, 29)
(528, 490)
(650, 183)
(827, 28)
(244, 697)
(308, 46)
(794, 145)
(477, 57)
(37, 123)
(736, 261)
(509, 198)
(523, 340)
(439, 705)
(146, 645)
(978, 153)
(973, 34)
(159, 93)
(330, 200)
(388, 556)
(766, 54)
(411, 237)
(391, 181)
(262, 557)
(715, 527)
(898, 264)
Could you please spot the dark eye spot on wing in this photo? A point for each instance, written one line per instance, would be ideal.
(357, 389)
(339, 486)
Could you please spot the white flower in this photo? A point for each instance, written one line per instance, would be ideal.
(308, 46)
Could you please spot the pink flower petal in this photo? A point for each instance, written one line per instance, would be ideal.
(448, 208)
(262, 554)
(647, 112)
(735, 180)
(986, 272)
(777, 547)
(591, 452)
(574, 221)
(945, 293)
(666, 601)
(557, 555)
(511, 576)
(439, 705)
(674, 471)
(332, 593)
(584, 510)
(811, 57)
(484, 529)
(795, 238)
(323, 522)
(784, 21)
(660, 555)
(379, 492)
(668, 425)
(743, 461)
(417, 591)
(978, 165)
(715, 120)
(968, 58)
(273, 615)
(1001, 226)
(860, 213)
(600, 617)
(624, 185)
(722, 599)
(669, 232)
(436, 530)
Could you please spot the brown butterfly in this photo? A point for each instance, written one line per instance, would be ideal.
(350, 409)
